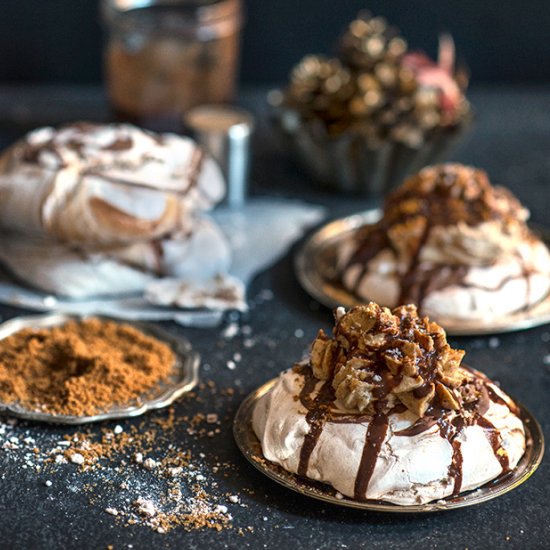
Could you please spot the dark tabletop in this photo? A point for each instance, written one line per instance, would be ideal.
(511, 140)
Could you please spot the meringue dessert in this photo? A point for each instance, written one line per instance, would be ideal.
(104, 209)
(384, 410)
(450, 243)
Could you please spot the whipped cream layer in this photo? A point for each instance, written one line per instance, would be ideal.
(396, 457)
(105, 184)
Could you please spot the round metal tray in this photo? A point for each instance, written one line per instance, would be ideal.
(250, 447)
(315, 269)
(185, 372)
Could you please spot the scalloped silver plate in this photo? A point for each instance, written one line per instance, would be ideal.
(315, 269)
(185, 376)
(250, 447)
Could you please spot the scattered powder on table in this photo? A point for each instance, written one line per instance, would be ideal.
(81, 367)
(109, 465)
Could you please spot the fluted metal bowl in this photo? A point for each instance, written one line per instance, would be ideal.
(347, 164)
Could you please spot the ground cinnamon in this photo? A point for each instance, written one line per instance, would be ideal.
(81, 367)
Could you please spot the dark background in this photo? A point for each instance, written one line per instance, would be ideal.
(60, 41)
(502, 40)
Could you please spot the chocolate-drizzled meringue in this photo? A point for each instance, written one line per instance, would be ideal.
(92, 210)
(384, 410)
(105, 184)
(452, 244)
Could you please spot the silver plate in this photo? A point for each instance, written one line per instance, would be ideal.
(315, 268)
(250, 447)
(185, 376)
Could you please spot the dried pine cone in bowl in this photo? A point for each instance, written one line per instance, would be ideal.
(364, 120)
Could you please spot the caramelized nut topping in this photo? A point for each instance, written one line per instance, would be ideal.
(451, 197)
(448, 194)
(377, 353)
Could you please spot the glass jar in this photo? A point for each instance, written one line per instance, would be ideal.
(163, 57)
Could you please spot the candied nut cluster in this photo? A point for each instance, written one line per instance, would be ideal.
(453, 211)
(448, 194)
(380, 355)
(447, 213)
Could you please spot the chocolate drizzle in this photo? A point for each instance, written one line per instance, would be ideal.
(158, 253)
(496, 442)
(375, 436)
(413, 287)
(195, 165)
(33, 154)
(449, 424)
(455, 469)
(120, 144)
(449, 430)
(318, 414)
(420, 426)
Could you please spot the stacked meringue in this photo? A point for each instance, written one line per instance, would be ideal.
(92, 209)
(452, 244)
(384, 410)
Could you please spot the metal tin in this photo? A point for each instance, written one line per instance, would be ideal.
(185, 377)
(315, 269)
(347, 164)
(250, 447)
(225, 133)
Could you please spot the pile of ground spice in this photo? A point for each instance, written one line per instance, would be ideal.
(81, 367)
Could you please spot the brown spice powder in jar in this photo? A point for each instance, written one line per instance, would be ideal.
(82, 367)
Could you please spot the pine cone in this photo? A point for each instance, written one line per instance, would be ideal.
(376, 87)
(368, 41)
(321, 88)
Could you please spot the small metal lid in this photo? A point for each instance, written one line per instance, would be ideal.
(225, 131)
